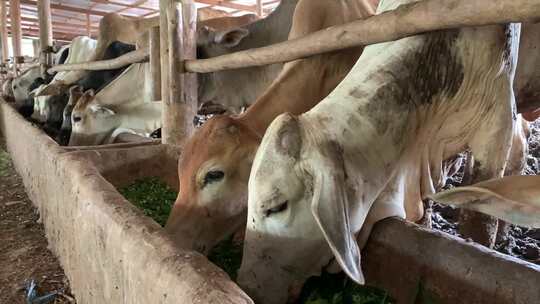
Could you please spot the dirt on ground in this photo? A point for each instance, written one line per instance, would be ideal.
(520, 242)
(23, 246)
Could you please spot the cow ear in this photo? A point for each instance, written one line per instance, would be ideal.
(101, 110)
(515, 199)
(289, 139)
(330, 207)
(90, 93)
(230, 38)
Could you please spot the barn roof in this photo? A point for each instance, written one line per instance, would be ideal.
(71, 18)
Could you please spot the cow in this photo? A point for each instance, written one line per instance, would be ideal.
(527, 82)
(372, 150)
(21, 87)
(217, 37)
(239, 88)
(82, 49)
(216, 160)
(49, 109)
(124, 105)
(94, 80)
(115, 27)
(7, 90)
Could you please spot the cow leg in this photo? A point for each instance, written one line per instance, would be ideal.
(490, 148)
(516, 164)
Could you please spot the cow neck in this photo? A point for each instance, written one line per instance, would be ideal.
(371, 128)
(301, 85)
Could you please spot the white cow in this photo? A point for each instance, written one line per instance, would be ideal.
(124, 105)
(372, 150)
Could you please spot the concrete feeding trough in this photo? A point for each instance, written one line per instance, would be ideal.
(112, 253)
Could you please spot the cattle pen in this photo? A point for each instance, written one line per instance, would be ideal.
(112, 253)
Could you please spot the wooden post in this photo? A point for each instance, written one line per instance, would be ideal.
(45, 35)
(164, 58)
(180, 106)
(16, 34)
(155, 63)
(260, 8)
(88, 26)
(3, 32)
(36, 47)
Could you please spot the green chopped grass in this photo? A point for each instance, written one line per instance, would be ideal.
(152, 196)
(155, 198)
(4, 162)
(338, 289)
(228, 256)
(326, 289)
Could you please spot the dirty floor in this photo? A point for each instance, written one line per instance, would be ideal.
(521, 242)
(23, 246)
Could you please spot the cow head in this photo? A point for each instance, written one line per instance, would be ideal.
(22, 86)
(214, 171)
(211, 86)
(7, 90)
(298, 213)
(75, 93)
(91, 123)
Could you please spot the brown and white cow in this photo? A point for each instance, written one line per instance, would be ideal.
(216, 161)
(372, 150)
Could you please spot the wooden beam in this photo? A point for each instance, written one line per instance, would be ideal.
(56, 24)
(222, 3)
(16, 34)
(69, 8)
(3, 31)
(164, 58)
(138, 4)
(259, 10)
(155, 63)
(180, 107)
(406, 20)
(140, 55)
(33, 31)
(45, 25)
(45, 35)
(55, 13)
(88, 26)
(66, 28)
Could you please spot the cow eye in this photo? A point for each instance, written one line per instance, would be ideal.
(77, 119)
(213, 176)
(280, 208)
